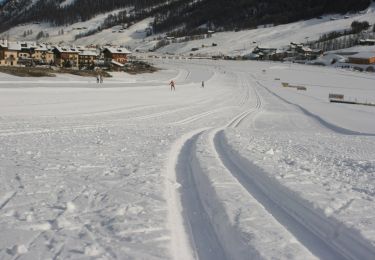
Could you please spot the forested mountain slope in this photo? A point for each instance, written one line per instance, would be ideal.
(182, 16)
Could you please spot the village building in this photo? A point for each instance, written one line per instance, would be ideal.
(87, 58)
(3, 50)
(363, 58)
(66, 57)
(265, 53)
(43, 55)
(116, 57)
(367, 42)
(32, 53)
(25, 52)
(9, 53)
(302, 52)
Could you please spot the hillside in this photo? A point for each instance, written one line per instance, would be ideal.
(177, 16)
(243, 42)
(228, 43)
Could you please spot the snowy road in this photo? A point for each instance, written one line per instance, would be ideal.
(240, 169)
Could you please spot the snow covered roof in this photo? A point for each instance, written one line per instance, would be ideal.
(14, 46)
(367, 40)
(4, 44)
(18, 46)
(266, 48)
(66, 49)
(363, 55)
(88, 53)
(327, 59)
(118, 50)
(306, 49)
(41, 47)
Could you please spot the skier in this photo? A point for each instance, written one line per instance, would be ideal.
(97, 78)
(202, 84)
(172, 83)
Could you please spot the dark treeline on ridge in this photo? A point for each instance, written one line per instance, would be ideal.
(178, 16)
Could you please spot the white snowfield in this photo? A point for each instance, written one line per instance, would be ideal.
(240, 169)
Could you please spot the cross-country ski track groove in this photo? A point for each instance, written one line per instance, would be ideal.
(215, 191)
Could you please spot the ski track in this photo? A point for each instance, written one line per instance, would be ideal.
(219, 205)
(284, 216)
(181, 247)
(193, 217)
(203, 238)
(196, 117)
(6, 198)
(328, 125)
(310, 230)
(12, 132)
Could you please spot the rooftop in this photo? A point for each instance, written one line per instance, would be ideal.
(114, 50)
(363, 55)
(67, 49)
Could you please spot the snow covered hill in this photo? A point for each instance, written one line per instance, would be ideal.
(243, 42)
(178, 16)
(231, 43)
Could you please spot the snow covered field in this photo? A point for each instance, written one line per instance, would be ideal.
(240, 169)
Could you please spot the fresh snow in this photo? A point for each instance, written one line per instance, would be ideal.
(243, 168)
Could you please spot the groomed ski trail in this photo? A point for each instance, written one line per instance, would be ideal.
(218, 192)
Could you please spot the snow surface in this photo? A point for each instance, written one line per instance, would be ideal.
(67, 2)
(70, 31)
(241, 169)
(228, 43)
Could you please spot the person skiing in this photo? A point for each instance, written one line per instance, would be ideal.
(202, 84)
(172, 83)
(97, 78)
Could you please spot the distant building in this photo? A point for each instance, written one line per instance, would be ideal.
(363, 58)
(251, 56)
(32, 53)
(9, 53)
(87, 58)
(43, 55)
(116, 56)
(265, 53)
(367, 42)
(66, 56)
(300, 51)
(25, 52)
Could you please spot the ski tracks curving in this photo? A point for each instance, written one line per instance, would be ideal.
(227, 208)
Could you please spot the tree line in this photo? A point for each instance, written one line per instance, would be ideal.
(246, 14)
(182, 17)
